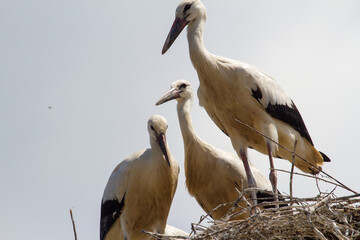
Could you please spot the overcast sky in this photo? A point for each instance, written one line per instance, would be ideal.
(79, 80)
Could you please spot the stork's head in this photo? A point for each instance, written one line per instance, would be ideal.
(187, 12)
(180, 90)
(157, 127)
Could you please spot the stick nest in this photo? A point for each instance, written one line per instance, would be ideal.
(323, 217)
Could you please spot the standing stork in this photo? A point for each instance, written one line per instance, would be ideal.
(233, 92)
(211, 173)
(140, 190)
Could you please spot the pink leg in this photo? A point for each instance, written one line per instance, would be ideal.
(273, 174)
(249, 176)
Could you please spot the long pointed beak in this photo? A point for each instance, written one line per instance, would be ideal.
(175, 30)
(161, 139)
(170, 95)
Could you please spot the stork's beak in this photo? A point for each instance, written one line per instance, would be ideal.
(173, 93)
(175, 30)
(161, 139)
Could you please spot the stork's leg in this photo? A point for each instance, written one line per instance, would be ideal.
(273, 174)
(249, 176)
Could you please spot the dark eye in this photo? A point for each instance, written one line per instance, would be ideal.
(152, 128)
(183, 85)
(187, 7)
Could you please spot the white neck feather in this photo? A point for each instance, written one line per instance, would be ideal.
(198, 52)
(156, 153)
(187, 129)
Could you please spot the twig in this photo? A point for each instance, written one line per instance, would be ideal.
(348, 197)
(320, 170)
(73, 223)
(316, 231)
(317, 185)
(226, 217)
(310, 176)
(163, 236)
(320, 203)
(337, 232)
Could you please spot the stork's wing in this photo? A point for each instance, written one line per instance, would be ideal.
(113, 201)
(291, 116)
(275, 101)
(110, 212)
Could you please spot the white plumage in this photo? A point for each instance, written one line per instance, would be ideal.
(211, 173)
(174, 231)
(140, 190)
(233, 91)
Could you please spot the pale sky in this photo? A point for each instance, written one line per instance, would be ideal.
(79, 80)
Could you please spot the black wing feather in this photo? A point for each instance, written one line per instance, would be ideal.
(289, 115)
(110, 212)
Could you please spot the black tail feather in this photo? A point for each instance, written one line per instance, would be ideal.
(326, 158)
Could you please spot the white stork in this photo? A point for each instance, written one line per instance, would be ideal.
(140, 190)
(233, 91)
(211, 173)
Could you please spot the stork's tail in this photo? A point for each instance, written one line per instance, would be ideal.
(326, 158)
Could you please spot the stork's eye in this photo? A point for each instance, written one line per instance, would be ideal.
(152, 128)
(183, 85)
(187, 7)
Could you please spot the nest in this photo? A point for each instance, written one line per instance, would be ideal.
(323, 217)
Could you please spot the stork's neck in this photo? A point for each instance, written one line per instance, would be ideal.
(161, 177)
(157, 156)
(187, 129)
(198, 53)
